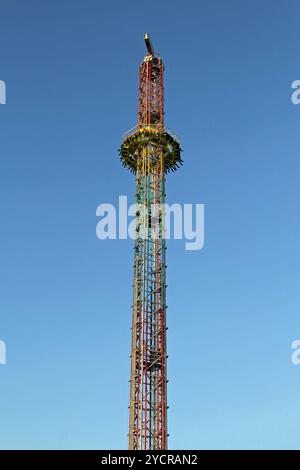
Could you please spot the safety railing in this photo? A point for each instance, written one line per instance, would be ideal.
(158, 127)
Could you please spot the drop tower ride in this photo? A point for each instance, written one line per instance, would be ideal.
(149, 150)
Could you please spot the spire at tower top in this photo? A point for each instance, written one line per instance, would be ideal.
(148, 44)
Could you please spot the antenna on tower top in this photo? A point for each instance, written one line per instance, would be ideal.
(148, 44)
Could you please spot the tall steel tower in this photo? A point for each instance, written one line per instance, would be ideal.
(149, 150)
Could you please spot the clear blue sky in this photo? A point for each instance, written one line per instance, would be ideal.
(71, 74)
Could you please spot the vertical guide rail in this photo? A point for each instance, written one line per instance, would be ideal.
(147, 429)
